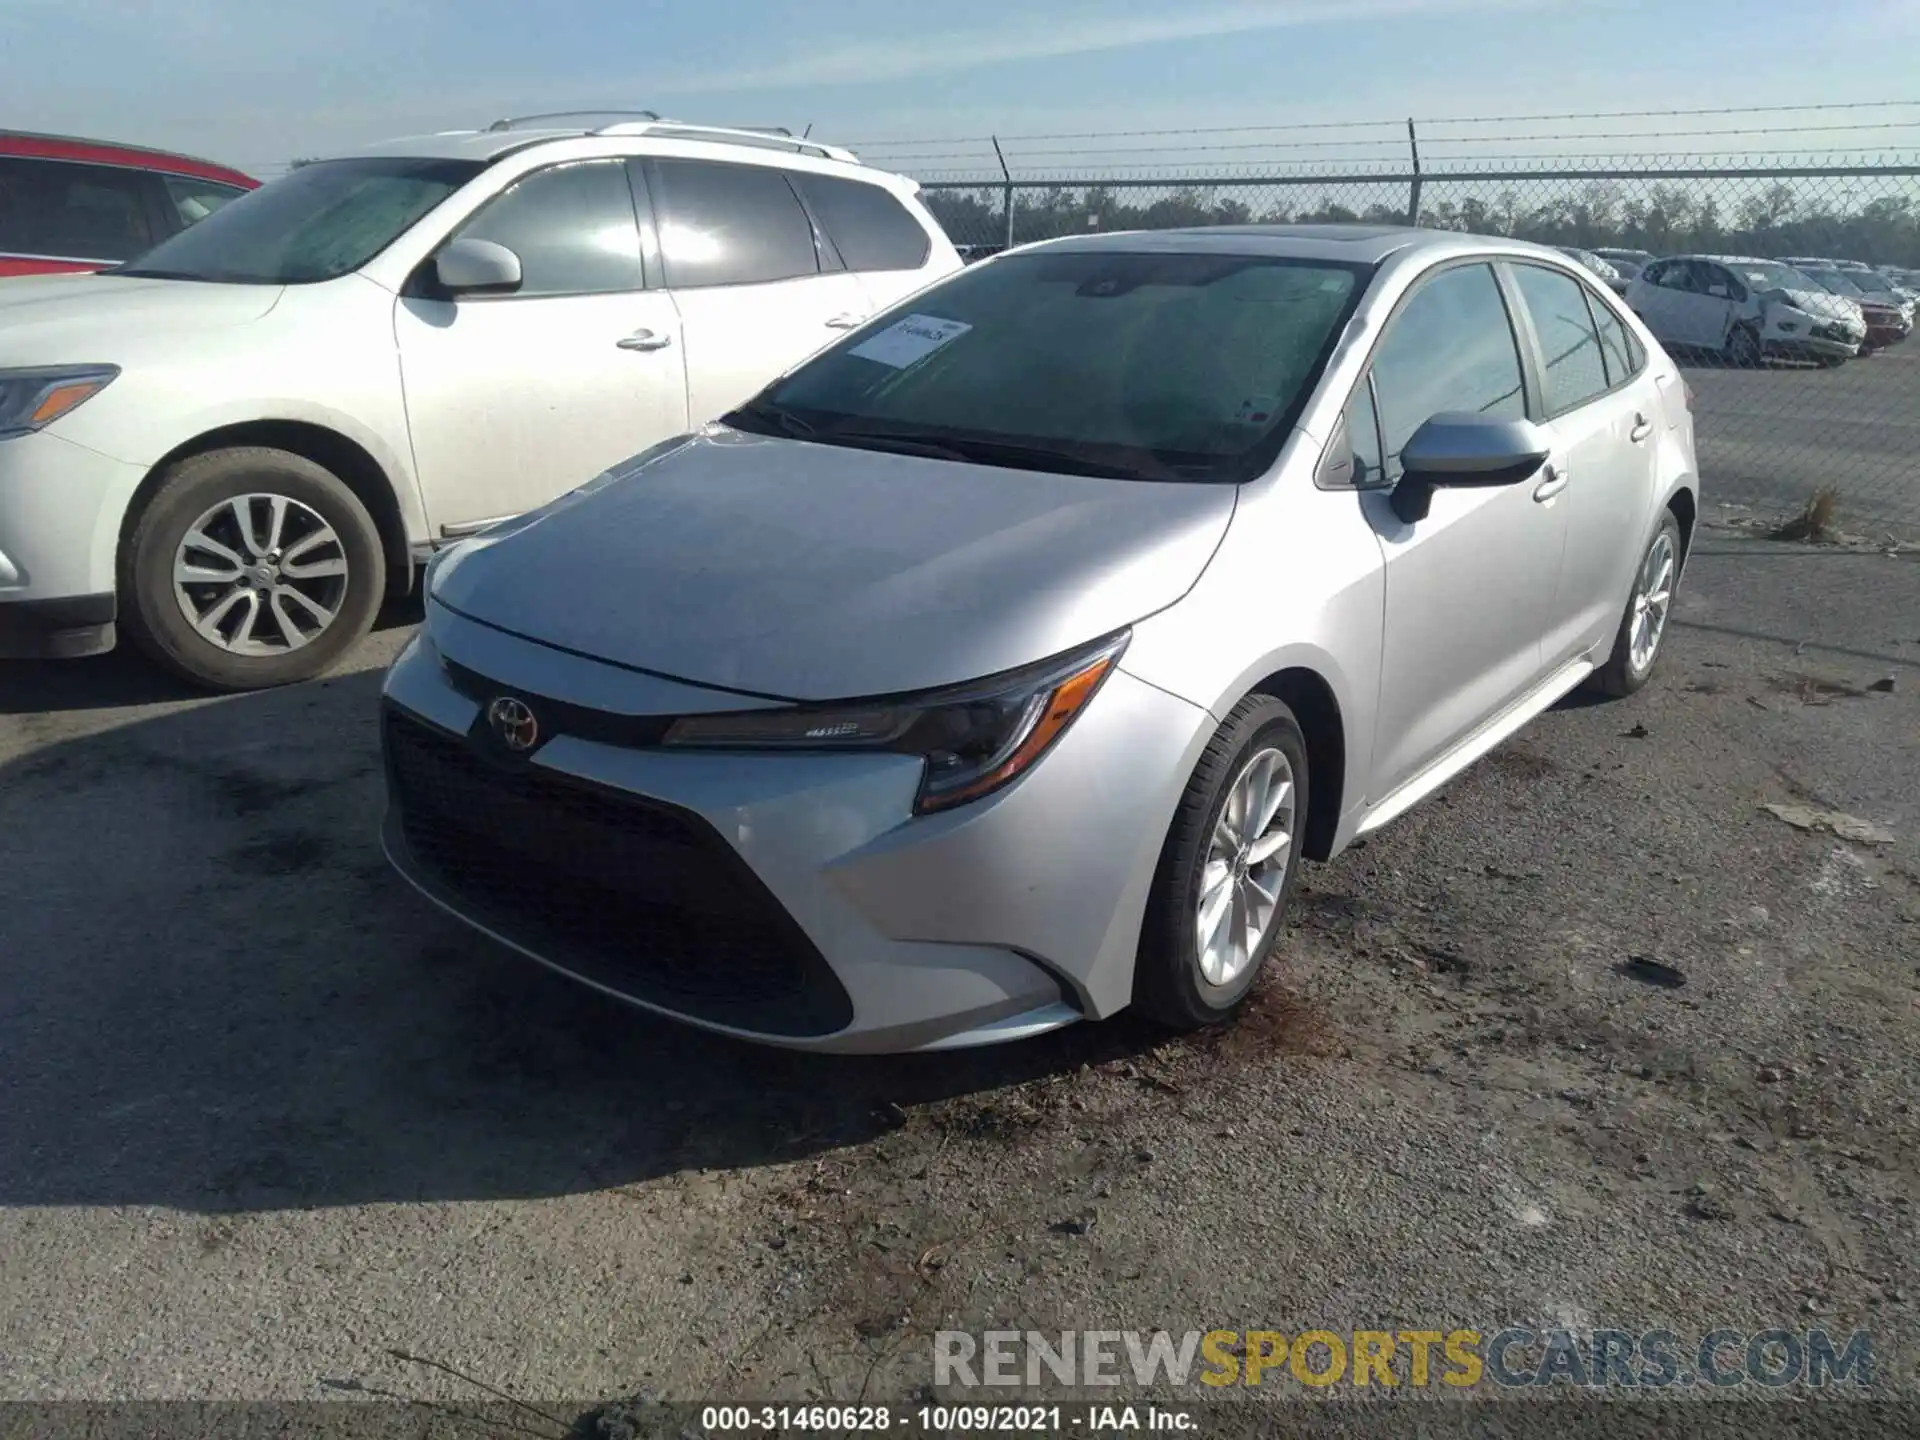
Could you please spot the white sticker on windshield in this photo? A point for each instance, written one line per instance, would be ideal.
(907, 341)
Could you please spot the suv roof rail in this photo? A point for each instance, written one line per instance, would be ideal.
(511, 121)
(770, 137)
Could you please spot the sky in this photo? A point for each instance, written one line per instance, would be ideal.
(256, 82)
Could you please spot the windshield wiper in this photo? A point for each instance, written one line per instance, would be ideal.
(1008, 453)
(769, 420)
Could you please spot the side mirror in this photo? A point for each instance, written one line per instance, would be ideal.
(476, 267)
(1458, 449)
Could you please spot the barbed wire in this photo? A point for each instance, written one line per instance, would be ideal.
(1400, 123)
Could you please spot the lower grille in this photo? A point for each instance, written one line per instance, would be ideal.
(646, 899)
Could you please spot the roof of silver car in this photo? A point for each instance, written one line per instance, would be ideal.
(1367, 244)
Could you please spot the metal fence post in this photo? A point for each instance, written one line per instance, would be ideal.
(1413, 199)
(1006, 175)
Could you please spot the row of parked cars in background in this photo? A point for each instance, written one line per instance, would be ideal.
(1746, 309)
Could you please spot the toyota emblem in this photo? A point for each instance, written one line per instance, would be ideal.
(513, 721)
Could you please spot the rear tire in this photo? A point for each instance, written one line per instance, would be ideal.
(1220, 851)
(1632, 663)
(249, 568)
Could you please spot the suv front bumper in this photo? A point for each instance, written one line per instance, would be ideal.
(61, 510)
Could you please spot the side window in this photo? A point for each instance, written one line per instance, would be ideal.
(72, 212)
(1569, 347)
(1363, 434)
(1451, 347)
(869, 227)
(572, 227)
(730, 225)
(1617, 345)
(194, 200)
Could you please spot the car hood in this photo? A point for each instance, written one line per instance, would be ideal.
(816, 572)
(1815, 302)
(49, 318)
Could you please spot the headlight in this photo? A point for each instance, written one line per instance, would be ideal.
(33, 399)
(974, 738)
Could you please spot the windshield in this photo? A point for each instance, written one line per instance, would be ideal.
(318, 222)
(1139, 366)
(1837, 282)
(1770, 275)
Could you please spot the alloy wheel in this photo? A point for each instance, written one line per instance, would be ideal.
(260, 575)
(1245, 868)
(1652, 599)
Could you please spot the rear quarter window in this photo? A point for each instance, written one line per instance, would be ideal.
(869, 226)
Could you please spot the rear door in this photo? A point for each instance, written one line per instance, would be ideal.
(1601, 412)
(513, 400)
(755, 294)
(1467, 587)
(1700, 318)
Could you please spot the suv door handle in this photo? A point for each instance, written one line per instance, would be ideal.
(1642, 427)
(1552, 485)
(846, 322)
(645, 340)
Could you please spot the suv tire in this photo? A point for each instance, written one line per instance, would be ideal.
(250, 567)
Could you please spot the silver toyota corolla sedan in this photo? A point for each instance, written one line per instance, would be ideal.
(995, 668)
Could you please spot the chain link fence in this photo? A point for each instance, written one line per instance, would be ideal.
(1777, 416)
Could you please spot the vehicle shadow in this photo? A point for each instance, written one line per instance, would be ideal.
(124, 677)
(219, 999)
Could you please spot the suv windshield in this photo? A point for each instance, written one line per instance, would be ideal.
(1837, 281)
(1136, 366)
(318, 222)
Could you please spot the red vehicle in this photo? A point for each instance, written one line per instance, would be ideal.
(82, 204)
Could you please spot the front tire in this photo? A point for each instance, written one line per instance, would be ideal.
(1744, 350)
(1643, 627)
(249, 568)
(1226, 870)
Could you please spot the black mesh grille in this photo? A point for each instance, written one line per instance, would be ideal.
(643, 898)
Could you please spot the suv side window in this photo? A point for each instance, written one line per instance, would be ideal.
(1451, 347)
(733, 224)
(869, 227)
(68, 211)
(193, 200)
(572, 226)
(1569, 347)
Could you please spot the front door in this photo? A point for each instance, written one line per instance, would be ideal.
(745, 269)
(1467, 587)
(1600, 408)
(513, 400)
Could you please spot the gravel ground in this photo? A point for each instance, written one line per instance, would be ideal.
(267, 1118)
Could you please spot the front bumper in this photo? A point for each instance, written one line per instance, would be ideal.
(853, 925)
(61, 510)
(1812, 347)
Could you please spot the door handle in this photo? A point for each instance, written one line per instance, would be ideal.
(645, 340)
(1552, 485)
(846, 322)
(1642, 427)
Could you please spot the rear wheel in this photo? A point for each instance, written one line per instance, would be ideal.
(1226, 870)
(251, 567)
(1636, 647)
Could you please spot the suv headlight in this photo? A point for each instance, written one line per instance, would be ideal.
(32, 399)
(974, 738)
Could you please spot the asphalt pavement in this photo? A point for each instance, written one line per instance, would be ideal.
(266, 1118)
(1768, 438)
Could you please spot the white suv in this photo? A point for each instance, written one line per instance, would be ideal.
(238, 444)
